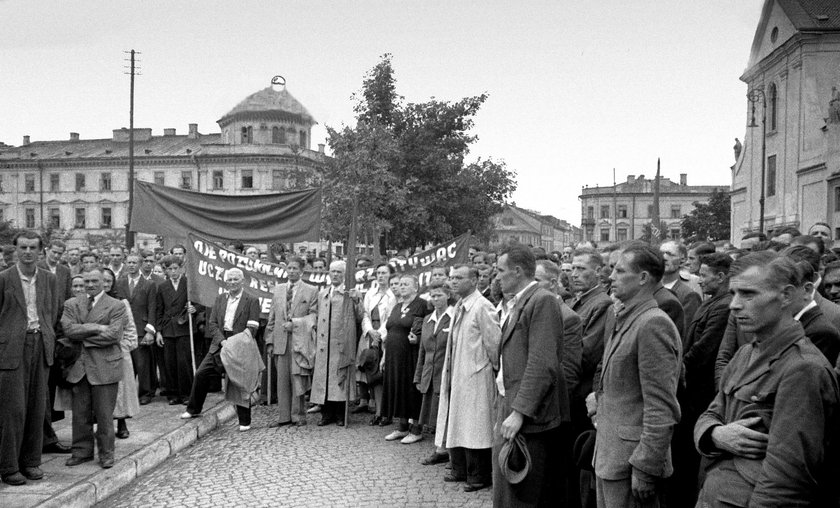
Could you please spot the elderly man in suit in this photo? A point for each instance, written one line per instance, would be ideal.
(767, 432)
(141, 294)
(28, 309)
(465, 411)
(233, 311)
(95, 323)
(289, 338)
(637, 401)
(533, 400)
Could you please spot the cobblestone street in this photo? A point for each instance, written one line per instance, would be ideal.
(306, 466)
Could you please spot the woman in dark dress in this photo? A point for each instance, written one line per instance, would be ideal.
(401, 398)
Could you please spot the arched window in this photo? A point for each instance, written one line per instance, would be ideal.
(278, 135)
(772, 103)
(247, 135)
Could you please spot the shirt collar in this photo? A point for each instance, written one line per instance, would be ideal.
(23, 277)
(98, 297)
(448, 312)
(232, 298)
(805, 309)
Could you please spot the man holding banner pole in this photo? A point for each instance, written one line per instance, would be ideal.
(174, 331)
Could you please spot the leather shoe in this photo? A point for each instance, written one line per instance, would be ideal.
(340, 423)
(174, 402)
(122, 434)
(145, 400)
(57, 447)
(106, 463)
(32, 473)
(14, 478)
(435, 458)
(326, 421)
(279, 424)
(75, 461)
(472, 487)
(375, 420)
(452, 478)
(384, 422)
(359, 409)
(300, 423)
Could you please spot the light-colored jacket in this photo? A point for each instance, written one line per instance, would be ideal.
(303, 315)
(243, 365)
(468, 388)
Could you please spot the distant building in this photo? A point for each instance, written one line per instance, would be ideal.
(81, 185)
(532, 228)
(795, 61)
(619, 213)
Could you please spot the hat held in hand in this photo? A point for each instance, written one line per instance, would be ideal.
(514, 459)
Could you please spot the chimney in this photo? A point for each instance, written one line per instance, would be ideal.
(631, 178)
(683, 179)
(321, 147)
(168, 132)
(74, 136)
(26, 140)
(193, 131)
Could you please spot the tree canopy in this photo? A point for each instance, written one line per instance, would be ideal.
(709, 221)
(405, 164)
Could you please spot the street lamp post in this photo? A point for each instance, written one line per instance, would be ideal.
(755, 95)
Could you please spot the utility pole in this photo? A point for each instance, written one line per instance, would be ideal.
(129, 236)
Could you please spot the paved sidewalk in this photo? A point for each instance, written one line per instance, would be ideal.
(156, 434)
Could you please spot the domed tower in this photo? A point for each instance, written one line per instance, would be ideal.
(269, 116)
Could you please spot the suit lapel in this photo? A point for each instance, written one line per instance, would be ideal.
(18, 284)
(513, 317)
(615, 338)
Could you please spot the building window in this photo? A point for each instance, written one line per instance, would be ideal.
(55, 218)
(1, 183)
(590, 212)
(837, 201)
(247, 179)
(303, 139)
(589, 233)
(605, 235)
(278, 135)
(772, 103)
(105, 182)
(507, 221)
(106, 219)
(650, 211)
(277, 179)
(186, 179)
(622, 211)
(29, 183)
(218, 180)
(80, 218)
(80, 182)
(30, 218)
(159, 177)
(676, 213)
(675, 234)
(2, 215)
(621, 235)
(771, 176)
(54, 182)
(605, 211)
(247, 135)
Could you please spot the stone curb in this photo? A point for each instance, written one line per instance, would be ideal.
(98, 487)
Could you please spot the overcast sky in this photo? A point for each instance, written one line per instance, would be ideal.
(575, 88)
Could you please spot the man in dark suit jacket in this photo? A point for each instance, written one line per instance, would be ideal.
(637, 401)
(232, 312)
(141, 295)
(670, 305)
(173, 330)
(28, 307)
(534, 400)
(95, 322)
(702, 341)
(674, 254)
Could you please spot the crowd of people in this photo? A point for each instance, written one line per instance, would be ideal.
(627, 375)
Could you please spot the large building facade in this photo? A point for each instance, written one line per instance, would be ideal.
(619, 213)
(81, 185)
(533, 228)
(795, 62)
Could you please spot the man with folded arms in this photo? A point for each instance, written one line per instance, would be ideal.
(95, 323)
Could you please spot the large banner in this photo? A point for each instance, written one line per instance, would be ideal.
(260, 218)
(208, 261)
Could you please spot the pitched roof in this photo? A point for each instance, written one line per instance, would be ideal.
(812, 14)
(156, 146)
(269, 104)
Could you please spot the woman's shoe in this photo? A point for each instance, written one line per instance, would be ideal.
(375, 421)
(384, 422)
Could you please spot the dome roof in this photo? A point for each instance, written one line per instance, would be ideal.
(269, 104)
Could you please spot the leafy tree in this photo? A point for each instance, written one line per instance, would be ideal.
(424, 190)
(709, 221)
(7, 232)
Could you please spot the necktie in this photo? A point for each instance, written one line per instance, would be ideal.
(131, 284)
(290, 293)
(90, 303)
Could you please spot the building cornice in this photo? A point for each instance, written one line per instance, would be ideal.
(810, 169)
